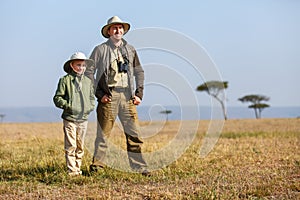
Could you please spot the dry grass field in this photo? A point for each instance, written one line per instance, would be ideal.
(253, 159)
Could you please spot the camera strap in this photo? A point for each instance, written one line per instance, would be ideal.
(118, 55)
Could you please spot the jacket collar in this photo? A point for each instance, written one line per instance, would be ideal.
(74, 74)
(111, 44)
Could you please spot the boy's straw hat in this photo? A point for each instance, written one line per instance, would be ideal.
(77, 56)
(114, 20)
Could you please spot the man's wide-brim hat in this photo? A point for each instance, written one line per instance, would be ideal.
(112, 21)
(77, 56)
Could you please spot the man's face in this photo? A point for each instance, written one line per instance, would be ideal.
(116, 31)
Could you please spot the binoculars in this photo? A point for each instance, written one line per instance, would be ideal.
(123, 66)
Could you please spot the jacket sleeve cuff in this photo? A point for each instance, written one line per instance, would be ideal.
(139, 92)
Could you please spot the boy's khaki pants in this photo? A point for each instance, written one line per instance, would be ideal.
(74, 145)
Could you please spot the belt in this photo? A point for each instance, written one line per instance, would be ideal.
(118, 89)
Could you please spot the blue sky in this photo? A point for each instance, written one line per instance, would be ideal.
(254, 44)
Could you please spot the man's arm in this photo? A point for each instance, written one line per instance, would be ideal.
(90, 71)
(139, 76)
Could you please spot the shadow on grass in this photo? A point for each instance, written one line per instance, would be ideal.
(46, 174)
(57, 174)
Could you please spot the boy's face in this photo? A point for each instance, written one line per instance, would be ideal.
(78, 66)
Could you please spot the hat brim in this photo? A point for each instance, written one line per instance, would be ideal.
(67, 67)
(105, 28)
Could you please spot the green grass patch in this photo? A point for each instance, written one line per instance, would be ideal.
(249, 164)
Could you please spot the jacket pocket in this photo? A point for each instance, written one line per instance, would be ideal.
(75, 106)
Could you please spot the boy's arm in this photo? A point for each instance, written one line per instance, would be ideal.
(92, 97)
(59, 98)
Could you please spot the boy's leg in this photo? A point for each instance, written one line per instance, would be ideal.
(81, 131)
(70, 145)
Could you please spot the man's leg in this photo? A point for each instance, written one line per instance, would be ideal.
(106, 115)
(129, 119)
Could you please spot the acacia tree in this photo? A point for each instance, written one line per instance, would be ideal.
(256, 103)
(214, 88)
(1, 117)
(166, 112)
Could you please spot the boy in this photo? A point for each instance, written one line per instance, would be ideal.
(75, 95)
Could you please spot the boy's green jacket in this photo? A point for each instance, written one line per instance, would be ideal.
(75, 95)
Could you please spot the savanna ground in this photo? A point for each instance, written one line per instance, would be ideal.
(253, 159)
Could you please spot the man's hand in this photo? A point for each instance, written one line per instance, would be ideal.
(136, 100)
(105, 99)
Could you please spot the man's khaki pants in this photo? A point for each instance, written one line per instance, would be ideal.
(121, 105)
(74, 145)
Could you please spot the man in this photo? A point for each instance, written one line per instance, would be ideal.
(117, 66)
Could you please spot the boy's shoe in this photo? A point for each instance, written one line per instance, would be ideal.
(75, 173)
